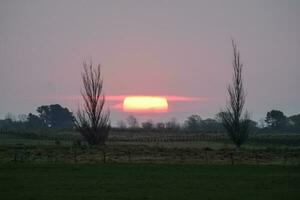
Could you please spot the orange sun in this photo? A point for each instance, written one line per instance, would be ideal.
(145, 104)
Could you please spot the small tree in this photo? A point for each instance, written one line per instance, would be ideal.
(276, 119)
(92, 122)
(132, 121)
(193, 123)
(55, 116)
(160, 126)
(34, 121)
(235, 121)
(294, 120)
(148, 125)
(172, 125)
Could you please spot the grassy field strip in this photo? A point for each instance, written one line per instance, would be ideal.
(148, 181)
(147, 154)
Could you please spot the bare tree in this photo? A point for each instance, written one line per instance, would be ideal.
(132, 121)
(172, 125)
(235, 120)
(91, 121)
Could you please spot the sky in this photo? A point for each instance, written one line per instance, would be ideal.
(150, 48)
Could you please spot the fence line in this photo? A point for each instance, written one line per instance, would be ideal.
(82, 154)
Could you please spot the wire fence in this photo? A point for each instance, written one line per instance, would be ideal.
(147, 154)
(150, 147)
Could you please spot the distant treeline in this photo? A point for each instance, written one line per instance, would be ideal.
(55, 117)
(49, 117)
(275, 121)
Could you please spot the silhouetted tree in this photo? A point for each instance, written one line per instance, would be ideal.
(295, 121)
(172, 125)
(148, 125)
(55, 116)
(253, 126)
(91, 121)
(219, 116)
(211, 125)
(160, 125)
(276, 119)
(132, 121)
(193, 123)
(235, 121)
(34, 121)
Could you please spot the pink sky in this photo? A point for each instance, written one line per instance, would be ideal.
(178, 49)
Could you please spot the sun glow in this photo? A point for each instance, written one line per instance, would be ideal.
(145, 104)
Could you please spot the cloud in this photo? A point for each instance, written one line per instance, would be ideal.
(120, 98)
(185, 99)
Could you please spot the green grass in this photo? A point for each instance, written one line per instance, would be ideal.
(148, 181)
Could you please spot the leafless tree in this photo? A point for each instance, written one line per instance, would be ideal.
(172, 125)
(235, 120)
(92, 122)
(132, 121)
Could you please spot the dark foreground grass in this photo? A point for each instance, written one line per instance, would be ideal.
(146, 181)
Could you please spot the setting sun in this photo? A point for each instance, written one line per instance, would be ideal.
(145, 104)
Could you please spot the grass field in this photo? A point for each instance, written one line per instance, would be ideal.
(267, 167)
(201, 140)
(148, 181)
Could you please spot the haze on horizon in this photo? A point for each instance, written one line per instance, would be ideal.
(150, 48)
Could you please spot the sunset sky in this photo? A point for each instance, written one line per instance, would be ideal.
(176, 49)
